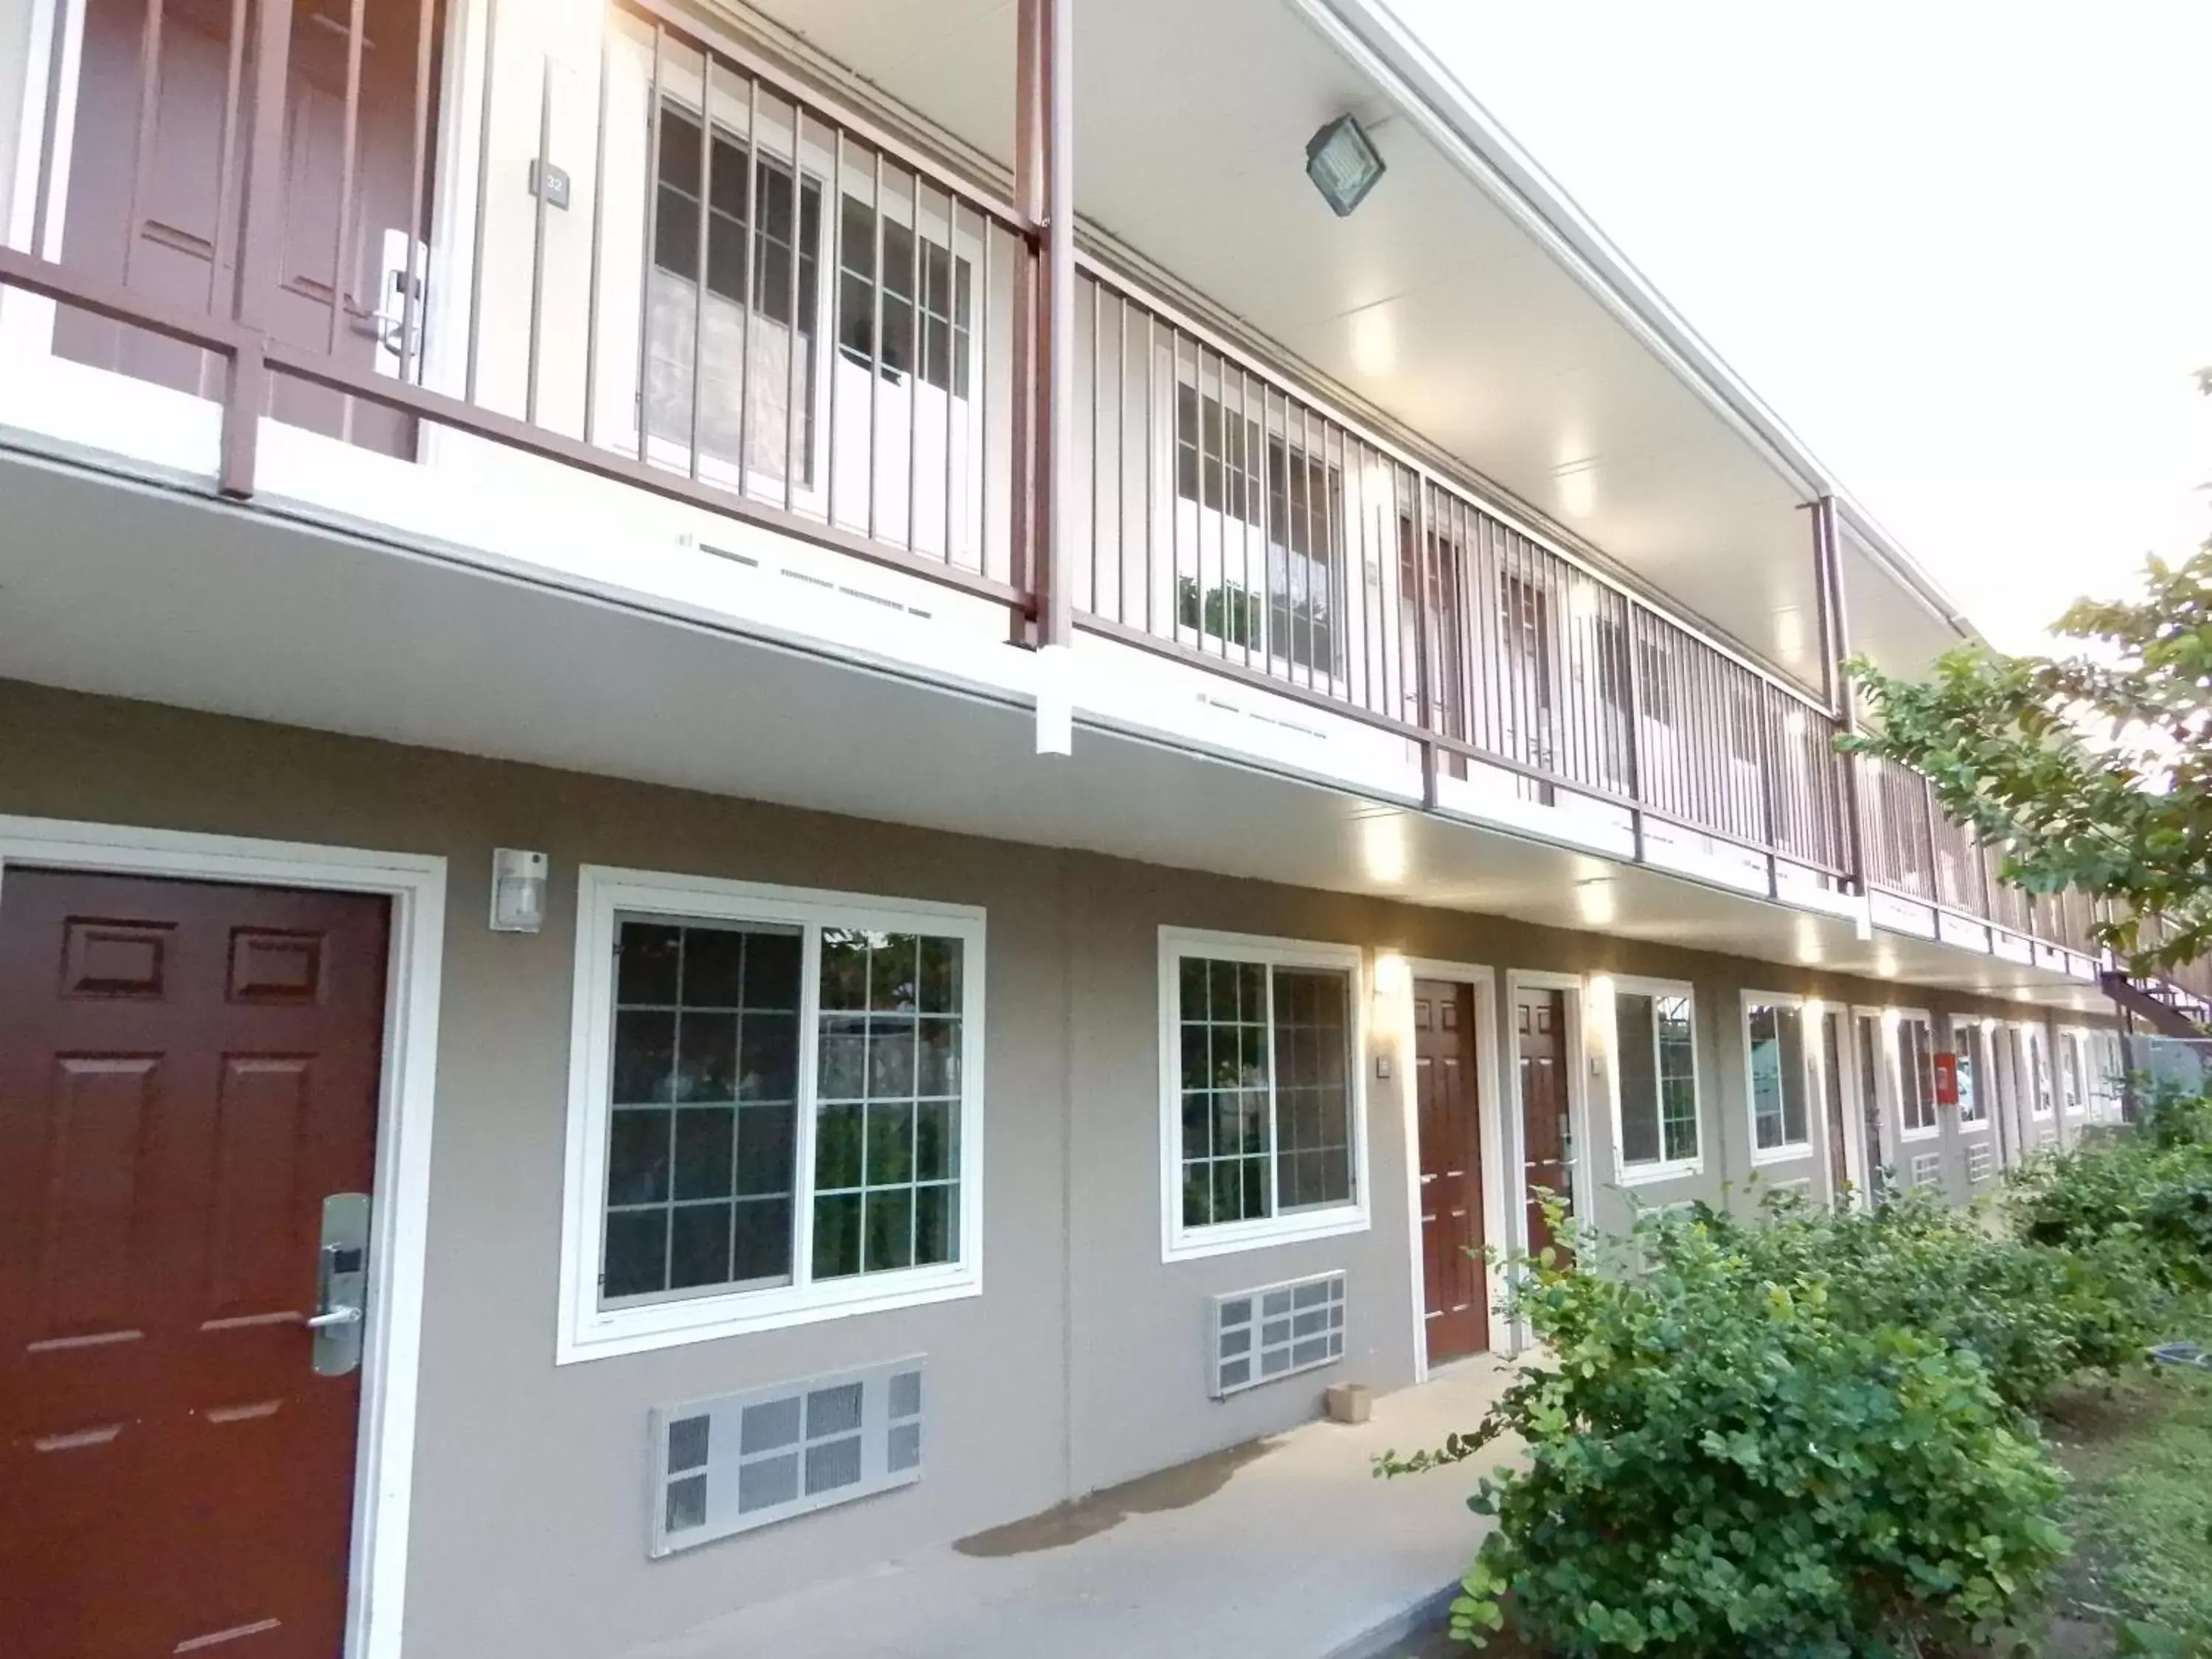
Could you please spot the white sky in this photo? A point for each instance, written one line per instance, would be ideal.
(1963, 247)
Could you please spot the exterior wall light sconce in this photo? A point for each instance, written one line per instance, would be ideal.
(1344, 164)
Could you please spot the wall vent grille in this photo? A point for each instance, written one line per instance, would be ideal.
(1927, 1169)
(1979, 1162)
(749, 1460)
(1272, 1331)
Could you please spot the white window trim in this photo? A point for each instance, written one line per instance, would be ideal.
(1970, 1039)
(1182, 1243)
(1661, 1169)
(1904, 1016)
(587, 1331)
(1790, 1151)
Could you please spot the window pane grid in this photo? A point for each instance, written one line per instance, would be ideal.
(1657, 1066)
(703, 1187)
(1777, 1077)
(1264, 1076)
(1916, 1069)
(887, 1099)
(705, 1088)
(737, 338)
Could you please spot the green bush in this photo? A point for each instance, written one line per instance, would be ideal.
(1734, 1452)
(2144, 1193)
(2036, 1314)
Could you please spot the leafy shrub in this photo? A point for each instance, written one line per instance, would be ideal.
(2036, 1314)
(1734, 1452)
(2146, 1191)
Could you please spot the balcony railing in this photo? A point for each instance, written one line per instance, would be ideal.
(656, 258)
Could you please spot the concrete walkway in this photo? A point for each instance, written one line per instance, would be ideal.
(1287, 1548)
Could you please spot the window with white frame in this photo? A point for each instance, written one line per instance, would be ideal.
(1248, 460)
(1656, 1075)
(1976, 1079)
(1774, 1038)
(1916, 1075)
(774, 1111)
(2038, 1066)
(2073, 1070)
(1260, 1043)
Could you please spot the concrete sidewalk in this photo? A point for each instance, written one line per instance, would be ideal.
(1287, 1548)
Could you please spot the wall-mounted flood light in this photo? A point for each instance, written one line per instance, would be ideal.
(1342, 161)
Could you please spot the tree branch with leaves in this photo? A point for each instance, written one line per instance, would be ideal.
(2087, 769)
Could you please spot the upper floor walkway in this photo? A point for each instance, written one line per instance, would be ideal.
(668, 303)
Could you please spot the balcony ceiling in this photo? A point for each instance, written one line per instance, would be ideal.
(1430, 301)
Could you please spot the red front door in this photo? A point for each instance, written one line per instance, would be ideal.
(1456, 1317)
(155, 185)
(186, 1071)
(1540, 1021)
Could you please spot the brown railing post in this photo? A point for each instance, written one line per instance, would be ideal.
(1633, 636)
(1928, 838)
(1044, 326)
(1424, 667)
(245, 387)
(1769, 813)
(1828, 569)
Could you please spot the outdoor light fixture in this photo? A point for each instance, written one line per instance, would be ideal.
(1344, 165)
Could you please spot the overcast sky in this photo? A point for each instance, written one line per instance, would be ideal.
(1964, 251)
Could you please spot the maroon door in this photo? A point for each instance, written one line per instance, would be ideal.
(155, 185)
(1457, 1317)
(186, 1071)
(1547, 1138)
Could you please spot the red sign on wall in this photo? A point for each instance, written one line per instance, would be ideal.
(1946, 1079)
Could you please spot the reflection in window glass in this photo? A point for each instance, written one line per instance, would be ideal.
(1265, 1088)
(1777, 1076)
(705, 1093)
(1658, 1078)
(1916, 1073)
(704, 1189)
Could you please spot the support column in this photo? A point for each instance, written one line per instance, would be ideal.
(1842, 696)
(1044, 356)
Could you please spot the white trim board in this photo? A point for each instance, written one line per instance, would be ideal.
(1490, 1128)
(391, 1361)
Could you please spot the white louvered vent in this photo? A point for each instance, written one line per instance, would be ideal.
(1979, 1162)
(1927, 1169)
(749, 1460)
(1255, 1336)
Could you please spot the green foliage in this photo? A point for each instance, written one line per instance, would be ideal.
(2035, 1315)
(2143, 1196)
(1230, 612)
(1736, 1450)
(2089, 770)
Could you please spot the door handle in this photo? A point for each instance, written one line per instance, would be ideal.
(340, 1314)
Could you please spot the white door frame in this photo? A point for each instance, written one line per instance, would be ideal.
(1578, 1069)
(416, 883)
(1488, 1080)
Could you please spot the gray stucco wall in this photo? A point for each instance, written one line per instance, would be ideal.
(1079, 1365)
